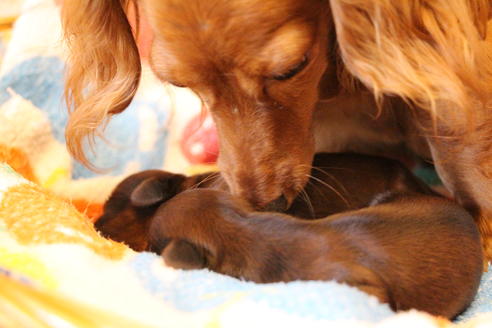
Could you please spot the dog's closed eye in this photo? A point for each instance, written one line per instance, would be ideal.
(293, 71)
(177, 84)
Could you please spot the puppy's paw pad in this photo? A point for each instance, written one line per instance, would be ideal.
(181, 254)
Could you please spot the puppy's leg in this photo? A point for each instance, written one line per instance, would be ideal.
(365, 280)
(181, 254)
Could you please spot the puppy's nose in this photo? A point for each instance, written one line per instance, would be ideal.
(278, 205)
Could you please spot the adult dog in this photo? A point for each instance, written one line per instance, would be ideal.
(283, 78)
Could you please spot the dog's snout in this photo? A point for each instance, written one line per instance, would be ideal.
(254, 191)
(266, 190)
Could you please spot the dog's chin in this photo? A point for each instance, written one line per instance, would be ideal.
(281, 204)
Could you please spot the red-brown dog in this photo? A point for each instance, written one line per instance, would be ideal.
(283, 78)
(409, 248)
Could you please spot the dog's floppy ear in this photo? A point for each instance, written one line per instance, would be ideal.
(444, 34)
(152, 191)
(181, 254)
(103, 66)
(481, 11)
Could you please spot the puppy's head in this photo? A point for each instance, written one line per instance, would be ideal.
(129, 209)
(256, 65)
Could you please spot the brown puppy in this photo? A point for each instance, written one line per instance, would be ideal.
(412, 251)
(410, 248)
(338, 182)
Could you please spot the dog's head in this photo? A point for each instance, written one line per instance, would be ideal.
(256, 66)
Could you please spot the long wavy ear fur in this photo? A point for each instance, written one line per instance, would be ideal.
(103, 67)
(430, 52)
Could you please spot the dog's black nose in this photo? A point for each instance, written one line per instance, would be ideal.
(278, 205)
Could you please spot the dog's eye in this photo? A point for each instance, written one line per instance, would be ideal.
(176, 84)
(293, 71)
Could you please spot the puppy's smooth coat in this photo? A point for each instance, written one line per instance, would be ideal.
(339, 182)
(409, 248)
(411, 251)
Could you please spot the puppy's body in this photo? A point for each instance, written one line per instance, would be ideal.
(409, 250)
(339, 182)
(345, 181)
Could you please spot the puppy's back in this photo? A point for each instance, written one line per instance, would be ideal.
(345, 181)
(427, 250)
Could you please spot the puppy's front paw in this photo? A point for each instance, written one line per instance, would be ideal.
(181, 254)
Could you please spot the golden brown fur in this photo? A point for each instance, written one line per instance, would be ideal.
(427, 62)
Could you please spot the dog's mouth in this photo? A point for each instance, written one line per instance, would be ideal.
(268, 190)
(280, 204)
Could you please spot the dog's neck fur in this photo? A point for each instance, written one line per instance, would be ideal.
(349, 118)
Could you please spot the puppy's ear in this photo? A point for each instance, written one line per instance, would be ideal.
(181, 254)
(152, 191)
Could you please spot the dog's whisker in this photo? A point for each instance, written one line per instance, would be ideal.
(331, 188)
(331, 176)
(205, 180)
(315, 186)
(305, 197)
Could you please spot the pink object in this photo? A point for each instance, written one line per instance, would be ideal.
(199, 143)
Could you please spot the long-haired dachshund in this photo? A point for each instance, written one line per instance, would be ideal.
(285, 78)
(398, 241)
